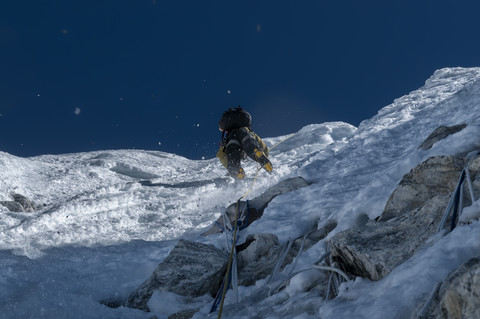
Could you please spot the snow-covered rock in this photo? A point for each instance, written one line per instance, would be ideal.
(191, 269)
(436, 176)
(457, 297)
(20, 203)
(439, 134)
(412, 215)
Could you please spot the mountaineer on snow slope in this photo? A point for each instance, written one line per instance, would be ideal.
(239, 141)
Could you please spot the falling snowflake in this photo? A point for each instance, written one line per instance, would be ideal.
(77, 111)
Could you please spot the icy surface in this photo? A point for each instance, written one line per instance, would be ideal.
(98, 231)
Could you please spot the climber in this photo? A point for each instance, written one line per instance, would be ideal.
(239, 141)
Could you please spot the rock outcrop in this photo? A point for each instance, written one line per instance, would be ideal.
(194, 269)
(458, 296)
(411, 216)
(439, 134)
(436, 176)
(258, 256)
(191, 269)
(19, 204)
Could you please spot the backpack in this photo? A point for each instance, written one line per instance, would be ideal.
(235, 118)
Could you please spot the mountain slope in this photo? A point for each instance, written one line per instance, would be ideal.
(98, 231)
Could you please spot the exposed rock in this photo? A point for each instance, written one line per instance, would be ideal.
(439, 134)
(13, 206)
(19, 204)
(191, 269)
(412, 214)
(436, 176)
(25, 202)
(184, 314)
(260, 253)
(458, 296)
(257, 258)
(374, 250)
(255, 207)
(474, 168)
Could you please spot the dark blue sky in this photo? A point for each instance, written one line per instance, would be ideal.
(150, 74)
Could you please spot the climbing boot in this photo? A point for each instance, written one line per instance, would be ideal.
(263, 160)
(237, 173)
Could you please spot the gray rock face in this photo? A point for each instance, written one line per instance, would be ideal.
(257, 258)
(458, 296)
(474, 168)
(412, 214)
(184, 314)
(439, 134)
(374, 250)
(20, 203)
(13, 206)
(24, 201)
(436, 176)
(191, 269)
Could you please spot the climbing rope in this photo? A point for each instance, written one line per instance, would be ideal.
(226, 281)
(233, 250)
(329, 268)
(229, 265)
(251, 186)
(271, 148)
(455, 205)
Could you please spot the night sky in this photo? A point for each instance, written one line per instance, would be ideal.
(86, 75)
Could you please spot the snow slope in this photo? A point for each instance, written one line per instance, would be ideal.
(99, 232)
